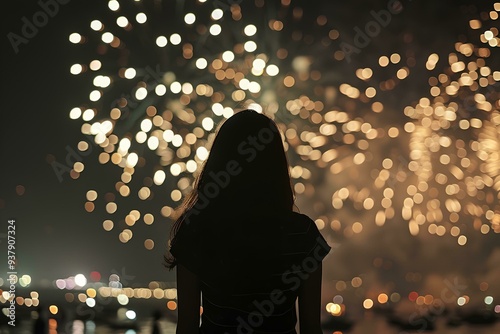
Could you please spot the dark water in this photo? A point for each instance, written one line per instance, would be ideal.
(376, 325)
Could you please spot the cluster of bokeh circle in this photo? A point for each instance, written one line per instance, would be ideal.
(164, 75)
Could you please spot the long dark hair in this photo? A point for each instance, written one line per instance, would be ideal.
(247, 171)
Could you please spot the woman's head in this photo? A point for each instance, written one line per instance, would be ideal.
(247, 166)
(246, 172)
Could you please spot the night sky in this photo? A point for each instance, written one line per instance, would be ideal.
(56, 237)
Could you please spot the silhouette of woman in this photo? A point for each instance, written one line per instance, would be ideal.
(239, 243)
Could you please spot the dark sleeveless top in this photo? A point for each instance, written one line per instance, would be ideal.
(250, 267)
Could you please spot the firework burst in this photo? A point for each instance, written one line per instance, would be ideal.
(166, 74)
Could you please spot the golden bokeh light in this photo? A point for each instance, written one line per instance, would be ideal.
(363, 157)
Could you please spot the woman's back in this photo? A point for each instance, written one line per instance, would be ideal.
(250, 268)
